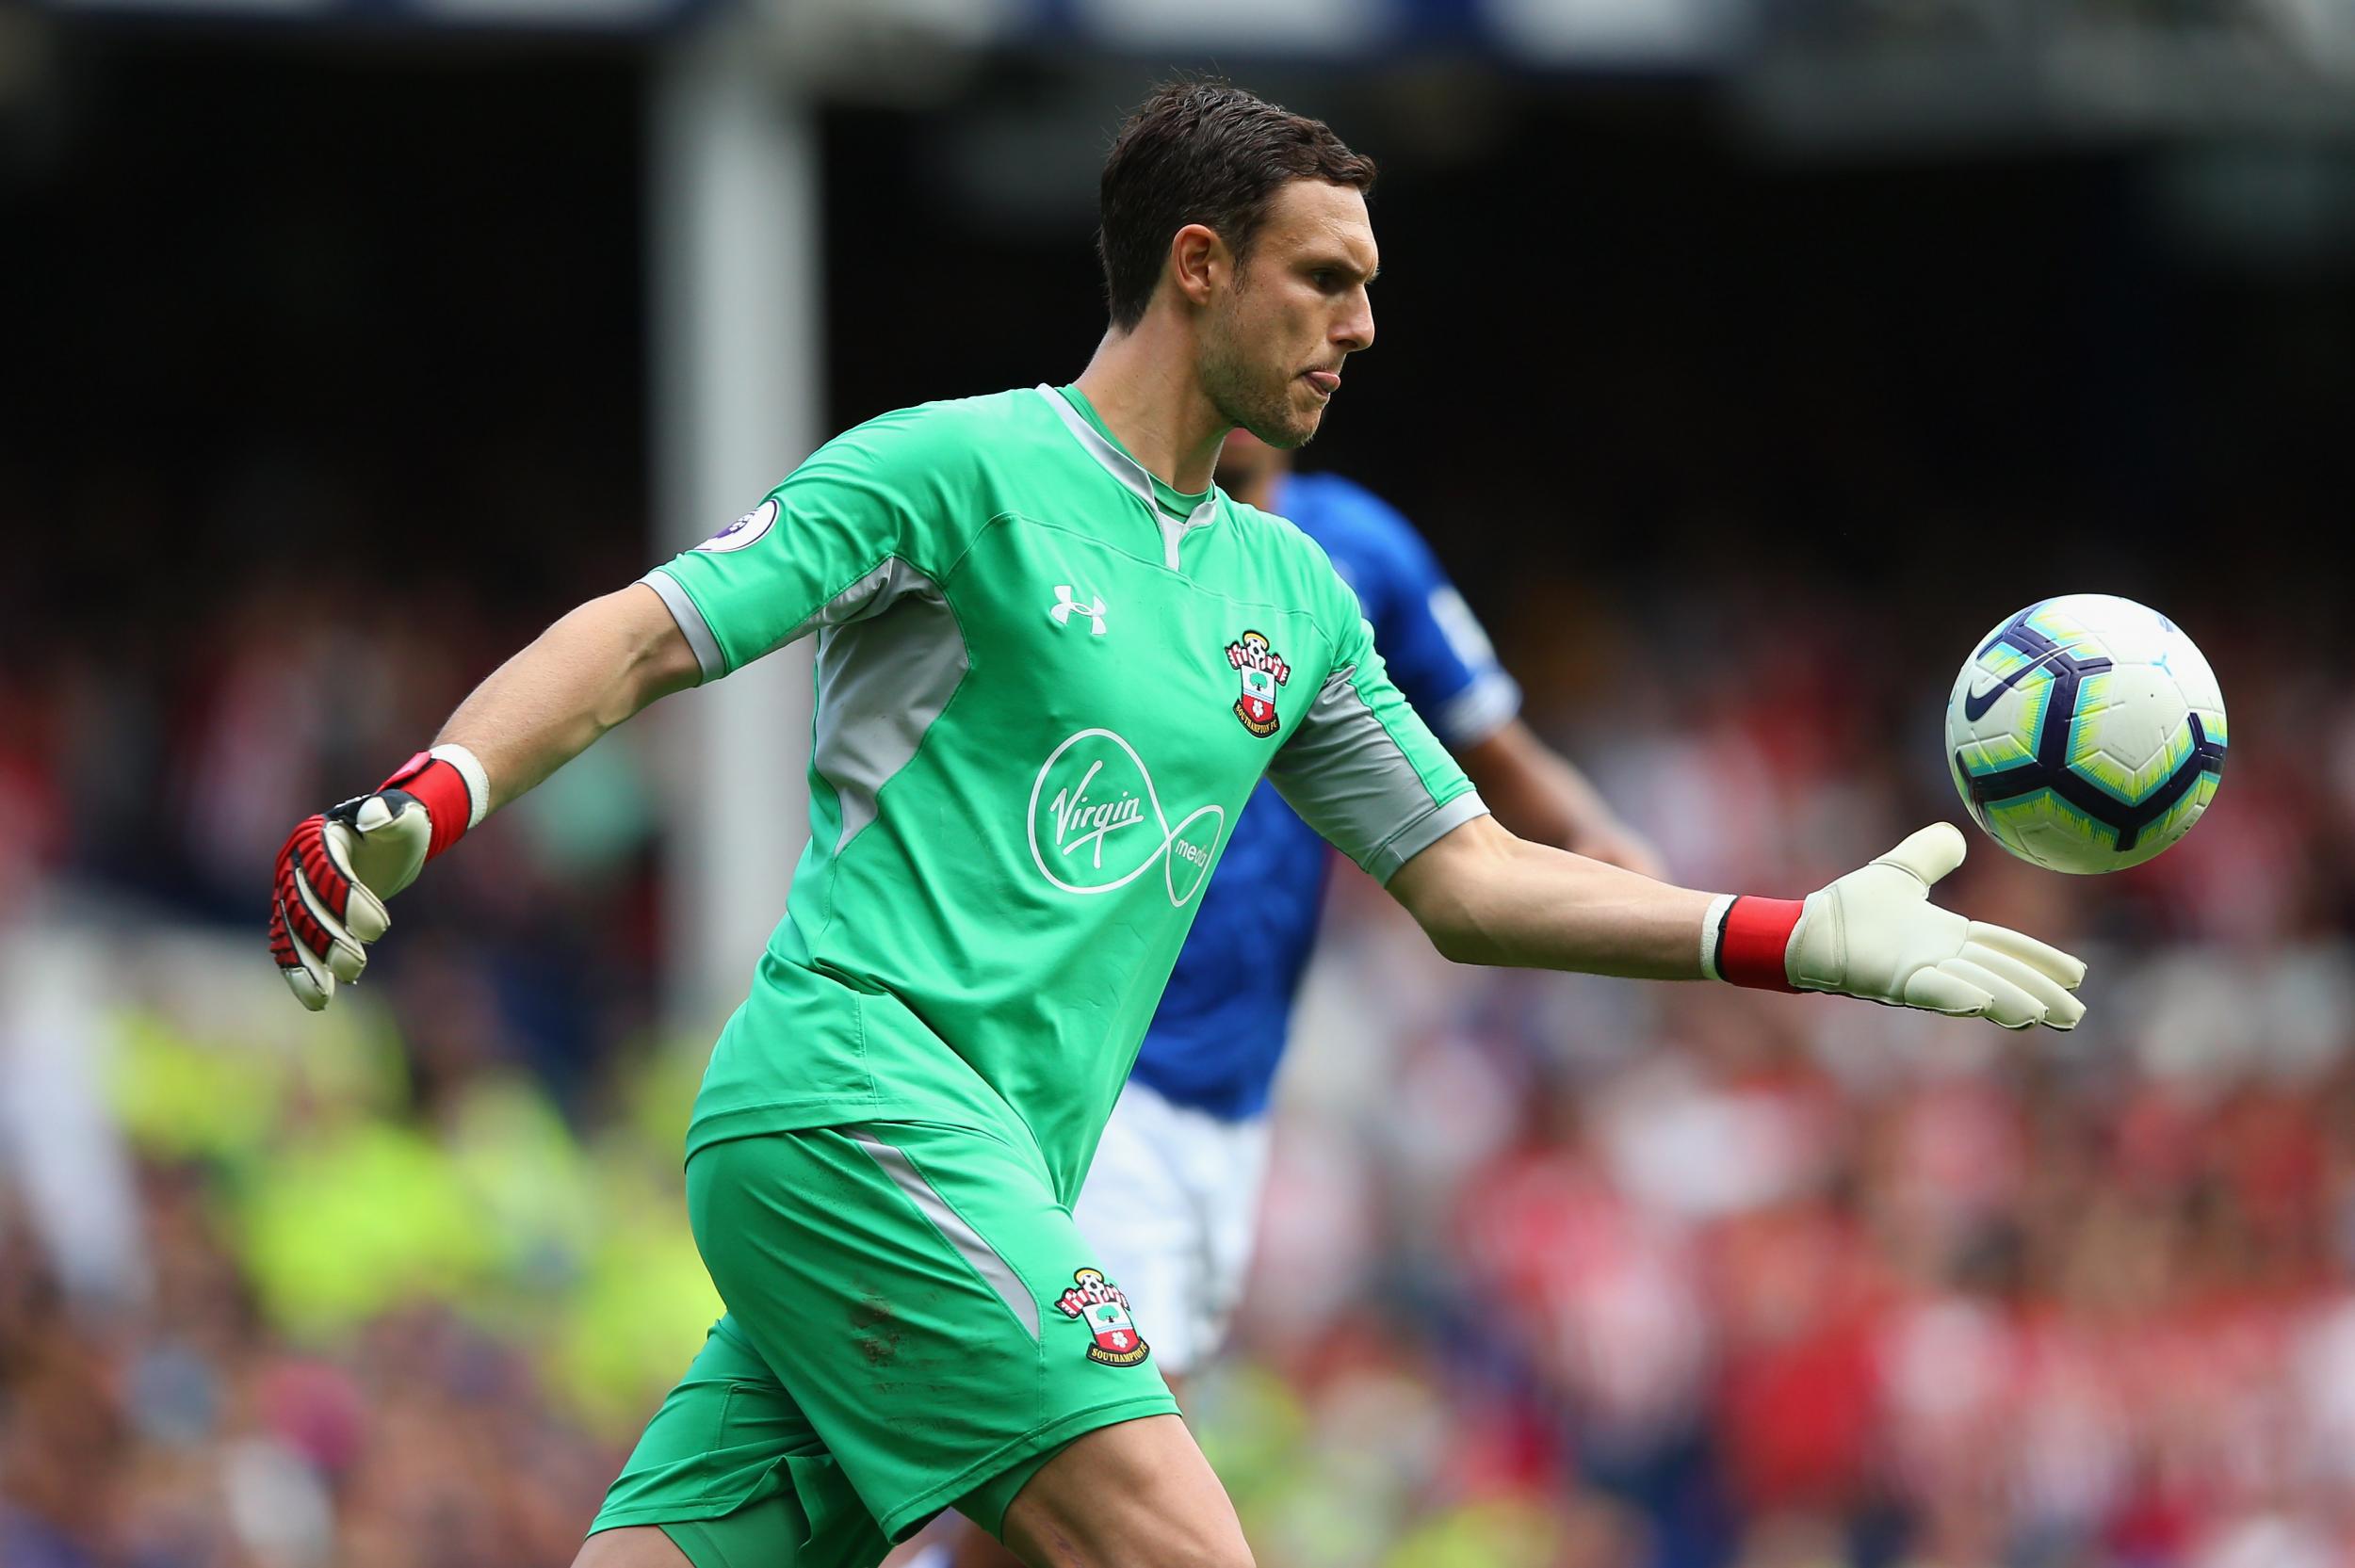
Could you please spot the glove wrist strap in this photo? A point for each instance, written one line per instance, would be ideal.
(1752, 942)
(454, 794)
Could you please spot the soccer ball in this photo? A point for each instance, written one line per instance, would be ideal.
(2086, 733)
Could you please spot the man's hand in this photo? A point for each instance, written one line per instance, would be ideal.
(1874, 933)
(594, 668)
(337, 868)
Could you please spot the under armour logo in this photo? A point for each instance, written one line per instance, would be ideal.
(1066, 606)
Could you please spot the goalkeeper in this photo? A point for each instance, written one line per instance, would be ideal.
(1052, 662)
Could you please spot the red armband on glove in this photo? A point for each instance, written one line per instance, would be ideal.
(1748, 942)
(438, 785)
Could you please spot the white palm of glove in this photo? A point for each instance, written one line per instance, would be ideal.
(1874, 933)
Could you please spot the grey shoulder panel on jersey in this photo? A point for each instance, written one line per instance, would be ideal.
(881, 680)
(1351, 781)
(692, 624)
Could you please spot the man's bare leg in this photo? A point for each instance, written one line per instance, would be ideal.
(641, 1547)
(973, 1548)
(1138, 1494)
(630, 1546)
(943, 1534)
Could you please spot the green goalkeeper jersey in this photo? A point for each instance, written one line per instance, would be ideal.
(1046, 683)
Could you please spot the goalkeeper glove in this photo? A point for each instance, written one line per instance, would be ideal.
(337, 868)
(1874, 933)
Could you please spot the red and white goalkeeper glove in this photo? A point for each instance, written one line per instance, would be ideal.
(1874, 933)
(337, 868)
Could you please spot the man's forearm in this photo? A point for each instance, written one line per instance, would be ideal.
(538, 710)
(594, 668)
(1486, 897)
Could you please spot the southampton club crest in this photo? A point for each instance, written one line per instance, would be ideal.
(1104, 1308)
(1263, 669)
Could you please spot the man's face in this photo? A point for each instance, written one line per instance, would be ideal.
(1273, 340)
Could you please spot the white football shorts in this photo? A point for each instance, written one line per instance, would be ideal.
(1171, 1206)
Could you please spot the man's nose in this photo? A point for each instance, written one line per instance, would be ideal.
(1355, 330)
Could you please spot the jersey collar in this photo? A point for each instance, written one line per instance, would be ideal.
(1132, 474)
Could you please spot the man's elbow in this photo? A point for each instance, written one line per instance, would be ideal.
(1440, 888)
(657, 658)
(1457, 940)
(1459, 929)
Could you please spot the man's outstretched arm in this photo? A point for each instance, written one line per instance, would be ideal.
(1484, 897)
(594, 668)
(591, 670)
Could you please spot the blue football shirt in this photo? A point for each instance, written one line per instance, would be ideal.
(1221, 1030)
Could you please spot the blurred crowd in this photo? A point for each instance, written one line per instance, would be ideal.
(1557, 1272)
(1578, 1275)
(385, 1286)
(360, 1315)
(194, 1433)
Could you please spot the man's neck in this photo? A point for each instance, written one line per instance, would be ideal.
(1142, 385)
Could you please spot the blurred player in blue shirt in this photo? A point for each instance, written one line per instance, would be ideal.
(1171, 1197)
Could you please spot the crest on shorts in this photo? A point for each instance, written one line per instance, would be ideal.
(1103, 1306)
(1263, 669)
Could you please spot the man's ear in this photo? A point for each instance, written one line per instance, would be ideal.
(1197, 260)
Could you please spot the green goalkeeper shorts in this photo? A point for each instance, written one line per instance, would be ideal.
(914, 1323)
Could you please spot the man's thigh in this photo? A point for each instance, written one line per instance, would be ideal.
(934, 1312)
(735, 1540)
(630, 1546)
(1136, 1496)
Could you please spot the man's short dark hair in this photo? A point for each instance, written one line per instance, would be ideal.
(1207, 153)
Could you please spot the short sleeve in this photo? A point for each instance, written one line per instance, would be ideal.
(1364, 770)
(1435, 649)
(872, 515)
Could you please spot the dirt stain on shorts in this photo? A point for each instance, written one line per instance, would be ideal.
(875, 1326)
